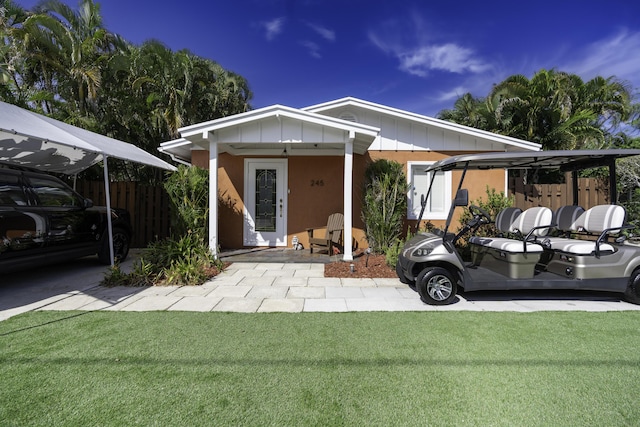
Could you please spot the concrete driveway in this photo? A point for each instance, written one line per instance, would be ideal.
(274, 286)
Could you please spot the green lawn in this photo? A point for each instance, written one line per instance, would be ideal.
(453, 368)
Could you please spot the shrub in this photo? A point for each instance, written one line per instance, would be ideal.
(393, 252)
(384, 204)
(188, 190)
(632, 206)
(494, 203)
(184, 260)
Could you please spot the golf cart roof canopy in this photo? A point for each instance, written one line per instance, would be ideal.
(565, 160)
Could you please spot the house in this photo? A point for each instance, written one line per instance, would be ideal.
(276, 171)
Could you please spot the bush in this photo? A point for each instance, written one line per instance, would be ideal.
(188, 190)
(632, 206)
(385, 204)
(494, 203)
(184, 260)
(393, 252)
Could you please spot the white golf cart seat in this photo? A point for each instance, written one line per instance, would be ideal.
(530, 224)
(505, 218)
(565, 222)
(566, 217)
(503, 222)
(514, 258)
(602, 219)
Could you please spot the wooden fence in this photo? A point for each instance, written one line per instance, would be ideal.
(591, 192)
(148, 206)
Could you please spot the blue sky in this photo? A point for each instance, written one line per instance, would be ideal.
(414, 55)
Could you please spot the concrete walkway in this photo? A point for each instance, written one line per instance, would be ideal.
(256, 287)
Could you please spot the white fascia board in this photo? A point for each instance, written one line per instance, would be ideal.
(407, 115)
(172, 144)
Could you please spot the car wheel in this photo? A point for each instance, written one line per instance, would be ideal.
(436, 286)
(120, 247)
(632, 294)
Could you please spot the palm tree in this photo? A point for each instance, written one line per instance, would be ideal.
(553, 108)
(13, 88)
(70, 48)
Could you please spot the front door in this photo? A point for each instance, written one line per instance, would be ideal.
(265, 199)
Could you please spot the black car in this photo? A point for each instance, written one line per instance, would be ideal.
(43, 221)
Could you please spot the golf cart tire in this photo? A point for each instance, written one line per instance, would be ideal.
(436, 286)
(632, 294)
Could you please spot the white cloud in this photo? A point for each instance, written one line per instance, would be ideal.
(273, 27)
(312, 48)
(452, 94)
(420, 57)
(323, 31)
(614, 56)
(448, 57)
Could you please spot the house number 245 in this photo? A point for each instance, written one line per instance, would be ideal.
(317, 183)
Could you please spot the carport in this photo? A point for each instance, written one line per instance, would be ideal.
(35, 141)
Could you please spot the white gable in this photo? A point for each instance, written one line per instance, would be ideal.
(405, 131)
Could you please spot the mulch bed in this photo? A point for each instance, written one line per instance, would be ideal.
(364, 266)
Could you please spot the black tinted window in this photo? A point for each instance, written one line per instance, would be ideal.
(53, 193)
(11, 193)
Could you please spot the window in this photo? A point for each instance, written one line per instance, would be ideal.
(53, 193)
(440, 199)
(11, 192)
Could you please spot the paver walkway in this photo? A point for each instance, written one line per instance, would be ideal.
(283, 287)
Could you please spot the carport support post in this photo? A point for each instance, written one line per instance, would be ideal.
(213, 193)
(107, 196)
(348, 198)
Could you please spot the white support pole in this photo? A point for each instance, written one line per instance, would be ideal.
(107, 196)
(348, 198)
(213, 194)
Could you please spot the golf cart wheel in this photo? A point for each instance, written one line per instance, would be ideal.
(120, 247)
(436, 286)
(632, 294)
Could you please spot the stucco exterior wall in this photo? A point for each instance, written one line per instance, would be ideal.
(316, 191)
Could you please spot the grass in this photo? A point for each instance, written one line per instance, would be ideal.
(447, 368)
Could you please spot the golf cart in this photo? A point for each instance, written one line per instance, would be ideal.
(534, 249)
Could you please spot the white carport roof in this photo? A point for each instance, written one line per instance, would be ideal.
(35, 141)
(32, 140)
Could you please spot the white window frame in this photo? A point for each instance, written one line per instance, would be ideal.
(413, 213)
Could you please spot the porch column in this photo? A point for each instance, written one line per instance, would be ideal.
(348, 198)
(213, 193)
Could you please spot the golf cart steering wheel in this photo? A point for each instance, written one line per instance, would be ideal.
(480, 214)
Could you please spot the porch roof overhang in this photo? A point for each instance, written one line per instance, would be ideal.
(273, 131)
